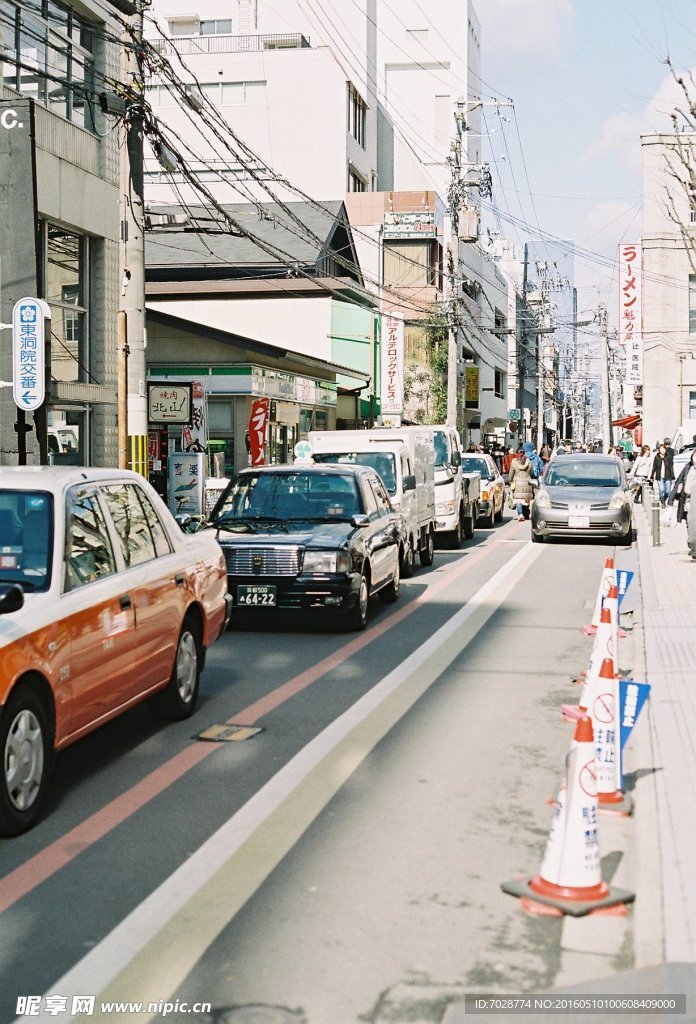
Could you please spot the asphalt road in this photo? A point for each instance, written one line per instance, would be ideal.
(383, 876)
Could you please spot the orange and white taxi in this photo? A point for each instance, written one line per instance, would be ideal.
(103, 602)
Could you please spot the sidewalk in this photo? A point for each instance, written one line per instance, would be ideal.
(668, 582)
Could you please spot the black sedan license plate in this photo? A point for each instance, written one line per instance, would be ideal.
(256, 597)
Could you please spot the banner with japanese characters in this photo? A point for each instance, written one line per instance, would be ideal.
(258, 422)
(392, 364)
(630, 310)
(194, 438)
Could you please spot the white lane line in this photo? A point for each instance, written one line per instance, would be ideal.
(148, 955)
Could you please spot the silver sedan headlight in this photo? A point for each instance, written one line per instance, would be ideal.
(542, 499)
(618, 501)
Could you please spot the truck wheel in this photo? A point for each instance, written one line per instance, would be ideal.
(427, 553)
(454, 537)
(470, 522)
(407, 565)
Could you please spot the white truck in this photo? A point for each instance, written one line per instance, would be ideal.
(456, 493)
(407, 470)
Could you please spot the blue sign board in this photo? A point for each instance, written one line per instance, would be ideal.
(632, 697)
(28, 353)
(623, 582)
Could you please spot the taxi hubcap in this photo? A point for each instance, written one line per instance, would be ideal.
(24, 760)
(363, 597)
(186, 667)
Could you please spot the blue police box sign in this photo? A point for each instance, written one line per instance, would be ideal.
(28, 353)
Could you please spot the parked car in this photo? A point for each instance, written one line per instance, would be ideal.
(104, 602)
(492, 497)
(583, 496)
(306, 536)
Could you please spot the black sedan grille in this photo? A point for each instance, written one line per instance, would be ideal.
(266, 561)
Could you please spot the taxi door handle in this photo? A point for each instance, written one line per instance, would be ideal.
(125, 601)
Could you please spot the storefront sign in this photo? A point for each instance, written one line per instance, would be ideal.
(419, 224)
(28, 353)
(258, 423)
(194, 438)
(471, 387)
(170, 402)
(393, 364)
(630, 311)
(186, 483)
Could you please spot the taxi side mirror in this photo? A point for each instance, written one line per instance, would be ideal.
(11, 598)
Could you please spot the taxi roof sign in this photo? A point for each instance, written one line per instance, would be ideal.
(28, 352)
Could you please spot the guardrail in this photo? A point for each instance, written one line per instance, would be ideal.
(188, 45)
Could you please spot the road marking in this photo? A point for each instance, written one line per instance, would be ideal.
(148, 955)
(23, 879)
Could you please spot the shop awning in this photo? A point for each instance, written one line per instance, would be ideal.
(628, 422)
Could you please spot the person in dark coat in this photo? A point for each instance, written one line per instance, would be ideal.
(683, 492)
(663, 473)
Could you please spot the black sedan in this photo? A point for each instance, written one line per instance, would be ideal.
(304, 536)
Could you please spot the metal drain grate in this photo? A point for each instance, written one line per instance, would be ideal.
(228, 733)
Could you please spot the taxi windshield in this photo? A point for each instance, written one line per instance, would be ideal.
(26, 538)
(284, 496)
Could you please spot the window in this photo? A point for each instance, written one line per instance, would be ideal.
(48, 56)
(692, 405)
(383, 503)
(692, 303)
(219, 27)
(221, 94)
(357, 110)
(88, 552)
(138, 541)
(412, 264)
(356, 183)
(499, 386)
(65, 276)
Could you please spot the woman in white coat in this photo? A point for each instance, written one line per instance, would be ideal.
(640, 470)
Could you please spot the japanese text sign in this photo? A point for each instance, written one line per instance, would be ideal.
(392, 365)
(170, 402)
(258, 422)
(28, 353)
(630, 310)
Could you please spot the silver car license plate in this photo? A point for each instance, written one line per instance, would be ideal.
(579, 522)
(256, 596)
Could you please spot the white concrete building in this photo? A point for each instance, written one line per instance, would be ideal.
(669, 289)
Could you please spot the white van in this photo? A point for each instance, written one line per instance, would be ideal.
(456, 493)
(407, 471)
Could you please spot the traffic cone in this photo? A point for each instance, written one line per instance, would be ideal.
(604, 647)
(608, 578)
(570, 878)
(612, 603)
(602, 707)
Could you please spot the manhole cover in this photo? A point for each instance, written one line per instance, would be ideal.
(259, 1014)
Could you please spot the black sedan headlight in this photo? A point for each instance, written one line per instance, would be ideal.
(321, 563)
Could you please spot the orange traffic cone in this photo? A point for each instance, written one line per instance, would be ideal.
(608, 578)
(602, 707)
(570, 878)
(612, 603)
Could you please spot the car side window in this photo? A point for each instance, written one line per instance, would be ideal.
(159, 535)
(381, 496)
(371, 507)
(89, 555)
(137, 543)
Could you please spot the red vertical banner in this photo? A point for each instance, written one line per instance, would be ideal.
(258, 422)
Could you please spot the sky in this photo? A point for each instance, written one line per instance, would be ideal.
(587, 78)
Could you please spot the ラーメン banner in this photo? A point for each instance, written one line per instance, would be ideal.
(258, 422)
(392, 363)
(630, 310)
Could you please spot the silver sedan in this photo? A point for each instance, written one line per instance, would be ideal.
(583, 496)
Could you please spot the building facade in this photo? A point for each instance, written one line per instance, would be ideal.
(59, 221)
(667, 396)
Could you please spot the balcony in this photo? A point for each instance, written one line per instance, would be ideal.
(189, 45)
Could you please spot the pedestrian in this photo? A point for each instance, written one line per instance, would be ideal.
(684, 488)
(663, 472)
(507, 461)
(544, 453)
(668, 445)
(537, 464)
(521, 484)
(640, 471)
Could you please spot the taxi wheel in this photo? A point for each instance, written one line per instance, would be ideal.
(178, 700)
(27, 755)
(357, 616)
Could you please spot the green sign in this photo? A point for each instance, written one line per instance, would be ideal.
(514, 415)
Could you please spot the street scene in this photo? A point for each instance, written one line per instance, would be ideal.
(347, 564)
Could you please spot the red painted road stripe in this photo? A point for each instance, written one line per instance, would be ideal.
(41, 866)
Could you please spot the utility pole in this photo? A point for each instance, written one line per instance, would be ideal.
(132, 304)
(604, 376)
